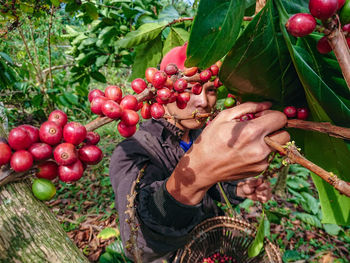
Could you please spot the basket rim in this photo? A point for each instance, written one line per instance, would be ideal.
(271, 249)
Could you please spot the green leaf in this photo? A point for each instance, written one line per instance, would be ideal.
(147, 55)
(309, 219)
(214, 31)
(91, 10)
(115, 248)
(101, 60)
(108, 232)
(311, 203)
(258, 243)
(71, 98)
(144, 33)
(168, 14)
(98, 76)
(291, 256)
(332, 229)
(6, 57)
(55, 2)
(297, 183)
(176, 37)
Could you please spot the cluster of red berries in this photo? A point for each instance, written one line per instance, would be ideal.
(219, 258)
(168, 86)
(303, 24)
(57, 147)
(299, 113)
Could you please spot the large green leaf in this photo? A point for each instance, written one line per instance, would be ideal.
(144, 33)
(147, 55)
(258, 243)
(176, 37)
(258, 66)
(214, 31)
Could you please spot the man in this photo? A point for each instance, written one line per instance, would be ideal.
(178, 188)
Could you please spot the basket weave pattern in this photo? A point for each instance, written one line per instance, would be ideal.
(229, 236)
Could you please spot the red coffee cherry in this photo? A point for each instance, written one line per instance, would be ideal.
(181, 105)
(157, 110)
(126, 131)
(290, 111)
(5, 153)
(138, 85)
(301, 24)
(323, 9)
(74, 133)
(65, 154)
(130, 117)
(129, 102)
(96, 105)
(40, 151)
(59, 117)
(180, 85)
(217, 83)
(71, 173)
(50, 133)
(146, 111)
(111, 109)
(159, 79)
(214, 69)
(164, 94)
(95, 93)
(323, 46)
(114, 93)
(173, 97)
(160, 101)
(188, 72)
(149, 73)
(183, 97)
(90, 154)
(247, 117)
(21, 161)
(302, 113)
(196, 89)
(92, 138)
(346, 28)
(205, 75)
(19, 139)
(171, 69)
(340, 3)
(47, 170)
(33, 132)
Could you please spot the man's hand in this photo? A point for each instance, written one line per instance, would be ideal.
(256, 189)
(227, 150)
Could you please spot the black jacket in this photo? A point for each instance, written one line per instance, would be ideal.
(164, 222)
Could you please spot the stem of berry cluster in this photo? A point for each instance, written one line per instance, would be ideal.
(294, 156)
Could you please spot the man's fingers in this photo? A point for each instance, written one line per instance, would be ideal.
(271, 121)
(242, 109)
(247, 190)
(282, 137)
(262, 187)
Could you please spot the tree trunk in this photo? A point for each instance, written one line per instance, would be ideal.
(29, 232)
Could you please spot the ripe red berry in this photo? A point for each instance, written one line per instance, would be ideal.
(32, 131)
(301, 24)
(323, 46)
(111, 109)
(217, 83)
(340, 3)
(71, 173)
(74, 133)
(169, 83)
(164, 94)
(114, 93)
(130, 117)
(21, 161)
(183, 97)
(126, 131)
(50, 133)
(96, 105)
(146, 111)
(323, 9)
(40, 151)
(348, 41)
(129, 102)
(90, 154)
(157, 110)
(205, 75)
(58, 117)
(19, 139)
(196, 89)
(139, 106)
(5, 153)
(138, 85)
(180, 85)
(214, 69)
(159, 79)
(247, 117)
(181, 105)
(95, 93)
(188, 72)
(171, 69)
(47, 170)
(302, 113)
(162, 102)
(290, 111)
(65, 154)
(173, 97)
(149, 73)
(92, 138)
(346, 28)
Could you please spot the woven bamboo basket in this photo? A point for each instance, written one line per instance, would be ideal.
(229, 236)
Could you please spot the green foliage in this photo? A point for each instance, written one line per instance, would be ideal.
(258, 243)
